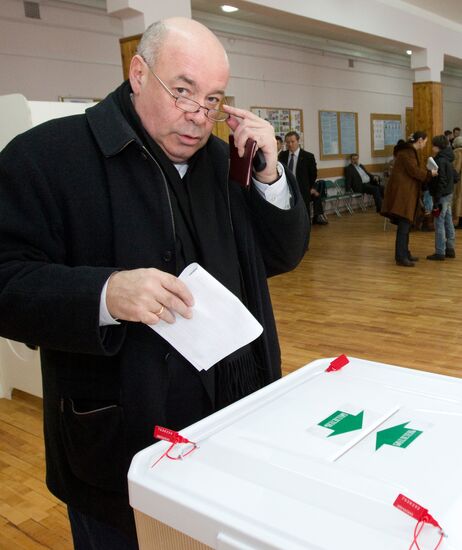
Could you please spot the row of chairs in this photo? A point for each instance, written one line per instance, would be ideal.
(338, 197)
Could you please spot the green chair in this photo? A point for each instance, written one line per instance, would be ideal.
(331, 196)
(351, 196)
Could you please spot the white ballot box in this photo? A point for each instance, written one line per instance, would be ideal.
(314, 461)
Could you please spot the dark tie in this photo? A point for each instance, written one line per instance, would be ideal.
(291, 163)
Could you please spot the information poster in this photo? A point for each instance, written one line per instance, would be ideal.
(386, 131)
(393, 132)
(338, 134)
(348, 133)
(379, 134)
(329, 133)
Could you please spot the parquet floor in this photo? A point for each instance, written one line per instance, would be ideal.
(347, 296)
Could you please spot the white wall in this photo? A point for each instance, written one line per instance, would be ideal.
(287, 76)
(71, 51)
(75, 52)
(452, 96)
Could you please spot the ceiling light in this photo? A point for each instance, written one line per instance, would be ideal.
(229, 9)
(409, 52)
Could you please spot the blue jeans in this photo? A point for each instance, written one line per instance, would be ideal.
(427, 201)
(444, 228)
(90, 534)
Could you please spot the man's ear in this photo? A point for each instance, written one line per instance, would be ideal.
(137, 73)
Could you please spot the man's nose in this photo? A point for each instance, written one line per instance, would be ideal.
(199, 117)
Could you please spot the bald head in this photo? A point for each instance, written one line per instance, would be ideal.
(180, 34)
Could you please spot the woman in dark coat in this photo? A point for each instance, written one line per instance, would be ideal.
(402, 193)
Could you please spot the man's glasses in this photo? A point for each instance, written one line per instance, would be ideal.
(190, 106)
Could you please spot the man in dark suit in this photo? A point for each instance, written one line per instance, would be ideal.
(359, 180)
(91, 252)
(303, 165)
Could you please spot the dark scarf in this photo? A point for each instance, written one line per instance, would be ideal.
(204, 234)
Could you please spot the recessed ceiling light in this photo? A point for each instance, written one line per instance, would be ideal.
(229, 9)
(409, 52)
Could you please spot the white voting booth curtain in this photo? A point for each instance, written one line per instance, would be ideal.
(20, 365)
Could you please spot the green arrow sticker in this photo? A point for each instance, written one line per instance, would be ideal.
(341, 422)
(396, 436)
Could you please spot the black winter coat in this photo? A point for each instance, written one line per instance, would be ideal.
(79, 199)
(443, 183)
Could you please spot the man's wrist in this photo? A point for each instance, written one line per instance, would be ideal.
(272, 178)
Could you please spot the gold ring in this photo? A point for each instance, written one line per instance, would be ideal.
(159, 313)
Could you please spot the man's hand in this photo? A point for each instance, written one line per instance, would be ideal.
(314, 192)
(147, 295)
(245, 125)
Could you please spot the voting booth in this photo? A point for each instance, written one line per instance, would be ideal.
(316, 460)
(19, 364)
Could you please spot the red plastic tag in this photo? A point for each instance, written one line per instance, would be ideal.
(174, 438)
(410, 507)
(338, 363)
(169, 435)
(421, 515)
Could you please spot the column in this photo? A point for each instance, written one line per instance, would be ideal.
(428, 93)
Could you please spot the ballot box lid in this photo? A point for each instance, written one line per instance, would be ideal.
(316, 461)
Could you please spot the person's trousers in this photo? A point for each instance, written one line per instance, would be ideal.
(444, 227)
(90, 534)
(402, 240)
(376, 192)
(427, 201)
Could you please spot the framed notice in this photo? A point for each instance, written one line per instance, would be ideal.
(338, 134)
(282, 119)
(386, 130)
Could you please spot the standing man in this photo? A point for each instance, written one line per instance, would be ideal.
(279, 144)
(99, 214)
(303, 165)
(455, 134)
(358, 179)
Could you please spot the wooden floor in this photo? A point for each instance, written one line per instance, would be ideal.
(347, 296)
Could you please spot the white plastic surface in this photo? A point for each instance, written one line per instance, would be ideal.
(19, 368)
(268, 476)
(15, 116)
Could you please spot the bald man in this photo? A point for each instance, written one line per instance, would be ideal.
(99, 214)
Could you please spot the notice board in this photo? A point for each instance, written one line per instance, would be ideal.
(282, 119)
(338, 134)
(386, 130)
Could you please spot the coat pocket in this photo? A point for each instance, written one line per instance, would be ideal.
(93, 435)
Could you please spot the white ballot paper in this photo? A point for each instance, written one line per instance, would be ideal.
(220, 323)
(431, 164)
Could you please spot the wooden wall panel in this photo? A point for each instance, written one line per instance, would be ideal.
(428, 109)
(128, 47)
(339, 171)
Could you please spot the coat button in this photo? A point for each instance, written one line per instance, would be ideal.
(167, 256)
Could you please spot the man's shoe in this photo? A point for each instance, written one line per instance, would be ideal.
(450, 253)
(405, 263)
(437, 257)
(318, 220)
(413, 258)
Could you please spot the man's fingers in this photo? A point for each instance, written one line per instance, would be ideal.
(178, 288)
(140, 294)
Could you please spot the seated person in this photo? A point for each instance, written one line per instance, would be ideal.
(359, 180)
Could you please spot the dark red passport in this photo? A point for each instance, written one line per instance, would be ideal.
(240, 169)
